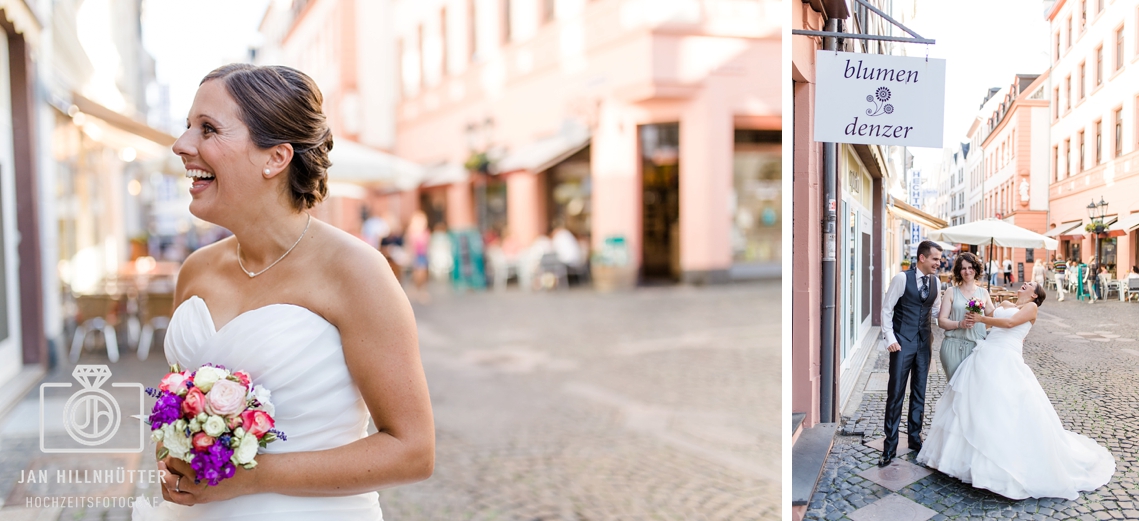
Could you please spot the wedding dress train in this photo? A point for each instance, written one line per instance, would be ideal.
(995, 428)
(297, 355)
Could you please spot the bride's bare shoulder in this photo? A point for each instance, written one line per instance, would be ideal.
(201, 261)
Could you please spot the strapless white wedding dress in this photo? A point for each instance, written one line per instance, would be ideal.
(994, 427)
(297, 355)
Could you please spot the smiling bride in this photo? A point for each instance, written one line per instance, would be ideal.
(311, 312)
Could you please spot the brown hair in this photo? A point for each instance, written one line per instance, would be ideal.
(283, 105)
(978, 271)
(1040, 294)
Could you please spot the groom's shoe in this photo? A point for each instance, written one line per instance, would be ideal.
(886, 458)
(915, 447)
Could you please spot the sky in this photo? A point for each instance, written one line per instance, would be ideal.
(190, 39)
(985, 44)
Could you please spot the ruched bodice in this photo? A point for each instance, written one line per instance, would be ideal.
(1012, 338)
(297, 355)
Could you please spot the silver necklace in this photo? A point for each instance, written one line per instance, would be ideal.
(283, 255)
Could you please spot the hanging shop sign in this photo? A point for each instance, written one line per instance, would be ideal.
(878, 99)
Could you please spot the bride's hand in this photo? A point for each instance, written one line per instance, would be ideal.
(178, 484)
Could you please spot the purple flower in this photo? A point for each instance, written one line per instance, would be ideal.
(213, 465)
(167, 409)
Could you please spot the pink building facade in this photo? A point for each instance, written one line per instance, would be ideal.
(655, 127)
(1015, 156)
(1095, 106)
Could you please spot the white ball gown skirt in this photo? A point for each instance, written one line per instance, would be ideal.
(995, 428)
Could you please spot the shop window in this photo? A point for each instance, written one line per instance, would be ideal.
(757, 196)
(569, 195)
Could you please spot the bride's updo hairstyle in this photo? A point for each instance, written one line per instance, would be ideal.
(965, 256)
(1040, 295)
(283, 105)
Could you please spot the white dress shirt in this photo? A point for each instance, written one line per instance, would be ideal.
(894, 292)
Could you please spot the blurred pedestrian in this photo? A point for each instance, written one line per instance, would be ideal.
(1008, 271)
(1060, 267)
(439, 259)
(1038, 272)
(418, 238)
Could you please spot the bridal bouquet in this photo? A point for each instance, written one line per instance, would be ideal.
(213, 419)
(975, 306)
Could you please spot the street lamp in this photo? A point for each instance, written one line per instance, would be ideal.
(1097, 212)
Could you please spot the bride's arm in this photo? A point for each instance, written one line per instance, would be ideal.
(1026, 314)
(381, 349)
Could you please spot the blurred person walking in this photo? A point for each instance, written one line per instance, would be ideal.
(418, 239)
(1060, 267)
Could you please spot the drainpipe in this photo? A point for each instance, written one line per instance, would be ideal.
(827, 345)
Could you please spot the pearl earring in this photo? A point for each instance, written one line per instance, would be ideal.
(266, 171)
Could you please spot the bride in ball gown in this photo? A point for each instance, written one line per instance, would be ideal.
(995, 428)
(312, 313)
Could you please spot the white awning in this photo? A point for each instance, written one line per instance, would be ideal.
(1126, 224)
(904, 211)
(1063, 229)
(544, 153)
(444, 173)
(362, 165)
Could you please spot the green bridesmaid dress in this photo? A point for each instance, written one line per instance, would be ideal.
(959, 343)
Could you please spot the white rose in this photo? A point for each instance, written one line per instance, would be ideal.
(262, 395)
(214, 426)
(175, 441)
(205, 377)
(247, 450)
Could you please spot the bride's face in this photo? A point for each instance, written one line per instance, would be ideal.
(218, 154)
(1027, 292)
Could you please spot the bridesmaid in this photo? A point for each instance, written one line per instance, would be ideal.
(959, 338)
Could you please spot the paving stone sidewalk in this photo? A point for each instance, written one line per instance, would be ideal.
(659, 403)
(1086, 357)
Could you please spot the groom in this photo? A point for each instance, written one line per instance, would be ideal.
(910, 303)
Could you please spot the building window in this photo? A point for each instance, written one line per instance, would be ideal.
(1083, 78)
(1083, 16)
(1056, 163)
(1068, 93)
(1099, 6)
(1069, 32)
(549, 11)
(1056, 103)
(1099, 65)
(1119, 48)
(472, 30)
(1098, 142)
(1057, 46)
(1119, 132)
(1067, 157)
(1083, 149)
(506, 22)
(443, 39)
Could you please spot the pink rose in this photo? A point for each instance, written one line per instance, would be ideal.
(194, 403)
(256, 422)
(244, 377)
(173, 382)
(225, 398)
(233, 422)
(203, 442)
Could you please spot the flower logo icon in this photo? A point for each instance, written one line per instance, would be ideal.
(879, 99)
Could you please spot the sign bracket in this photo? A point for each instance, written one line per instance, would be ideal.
(916, 38)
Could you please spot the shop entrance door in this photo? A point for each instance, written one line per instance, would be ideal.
(11, 348)
(660, 196)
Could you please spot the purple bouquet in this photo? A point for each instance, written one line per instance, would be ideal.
(975, 306)
(212, 419)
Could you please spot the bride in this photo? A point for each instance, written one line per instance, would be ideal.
(311, 312)
(995, 428)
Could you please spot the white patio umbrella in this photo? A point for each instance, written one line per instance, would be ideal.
(993, 232)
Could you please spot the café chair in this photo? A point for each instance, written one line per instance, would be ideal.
(96, 314)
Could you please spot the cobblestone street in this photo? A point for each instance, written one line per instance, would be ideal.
(1086, 357)
(662, 403)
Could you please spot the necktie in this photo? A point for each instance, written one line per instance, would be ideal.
(925, 287)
